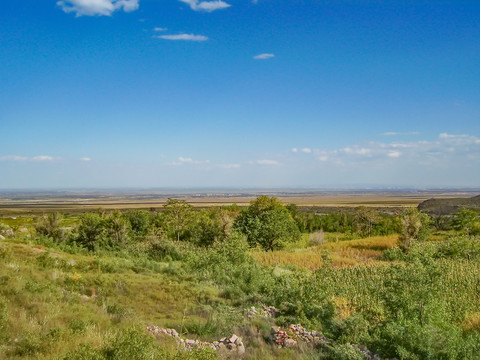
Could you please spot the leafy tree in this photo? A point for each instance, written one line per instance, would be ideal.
(178, 215)
(49, 225)
(468, 221)
(90, 230)
(117, 228)
(139, 221)
(268, 223)
(213, 225)
(415, 226)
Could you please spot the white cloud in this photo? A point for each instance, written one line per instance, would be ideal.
(267, 162)
(229, 166)
(185, 37)
(160, 29)
(85, 159)
(393, 133)
(187, 160)
(447, 148)
(394, 154)
(307, 150)
(355, 150)
(294, 150)
(43, 158)
(97, 7)
(207, 6)
(26, 158)
(13, 158)
(263, 56)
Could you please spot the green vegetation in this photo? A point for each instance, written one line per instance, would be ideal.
(87, 287)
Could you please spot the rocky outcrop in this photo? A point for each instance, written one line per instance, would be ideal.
(233, 343)
(291, 337)
(296, 333)
(266, 311)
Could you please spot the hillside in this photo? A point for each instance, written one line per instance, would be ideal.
(449, 206)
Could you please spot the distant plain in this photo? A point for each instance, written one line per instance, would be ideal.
(72, 201)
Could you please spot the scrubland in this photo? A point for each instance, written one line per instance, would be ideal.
(87, 287)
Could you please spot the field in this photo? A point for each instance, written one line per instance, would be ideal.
(16, 202)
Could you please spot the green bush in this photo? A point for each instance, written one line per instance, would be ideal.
(268, 223)
(460, 247)
(139, 221)
(90, 230)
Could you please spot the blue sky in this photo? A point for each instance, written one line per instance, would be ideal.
(239, 93)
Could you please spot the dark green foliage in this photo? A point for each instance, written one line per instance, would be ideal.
(467, 221)
(361, 221)
(139, 221)
(117, 227)
(266, 222)
(212, 225)
(90, 230)
(460, 247)
(162, 249)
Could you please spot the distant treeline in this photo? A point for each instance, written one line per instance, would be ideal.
(265, 223)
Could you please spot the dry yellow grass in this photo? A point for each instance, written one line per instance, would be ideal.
(305, 259)
(342, 253)
(374, 243)
(472, 322)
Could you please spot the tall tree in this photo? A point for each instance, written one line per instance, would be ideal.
(268, 223)
(178, 215)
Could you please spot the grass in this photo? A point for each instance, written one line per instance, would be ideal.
(82, 305)
(48, 296)
(341, 253)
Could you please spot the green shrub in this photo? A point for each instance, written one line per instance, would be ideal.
(345, 352)
(268, 223)
(460, 247)
(164, 250)
(84, 352)
(139, 221)
(90, 230)
(129, 344)
(49, 226)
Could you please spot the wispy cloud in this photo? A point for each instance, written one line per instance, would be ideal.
(184, 37)
(160, 29)
(446, 146)
(267, 162)
(43, 158)
(85, 159)
(27, 158)
(394, 154)
(187, 160)
(393, 133)
(263, 56)
(207, 6)
(97, 7)
(228, 166)
(13, 158)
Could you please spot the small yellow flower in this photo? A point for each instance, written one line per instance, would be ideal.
(75, 277)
